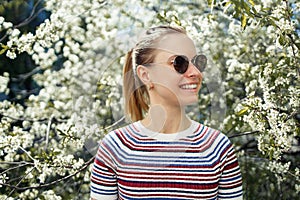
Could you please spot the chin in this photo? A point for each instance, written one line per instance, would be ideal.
(188, 102)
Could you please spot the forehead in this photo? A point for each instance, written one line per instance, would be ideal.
(178, 43)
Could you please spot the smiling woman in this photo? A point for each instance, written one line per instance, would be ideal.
(163, 154)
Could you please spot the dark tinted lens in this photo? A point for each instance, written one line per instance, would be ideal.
(181, 63)
(200, 61)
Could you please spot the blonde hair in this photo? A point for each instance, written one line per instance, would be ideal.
(135, 92)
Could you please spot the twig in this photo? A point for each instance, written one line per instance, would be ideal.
(14, 163)
(23, 163)
(20, 182)
(230, 130)
(28, 154)
(31, 16)
(24, 76)
(48, 130)
(114, 124)
(27, 20)
(30, 120)
(12, 168)
(242, 134)
(15, 187)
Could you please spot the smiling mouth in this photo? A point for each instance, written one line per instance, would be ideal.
(189, 86)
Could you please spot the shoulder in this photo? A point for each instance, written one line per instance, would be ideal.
(120, 133)
(222, 143)
(209, 132)
(212, 138)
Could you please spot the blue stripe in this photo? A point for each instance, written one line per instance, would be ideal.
(121, 154)
(167, 162)
(103, 177)
(230, 179)
(232, 194)
(104, 192)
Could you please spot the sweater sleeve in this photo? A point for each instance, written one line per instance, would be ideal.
(103, 176)
(230, 184)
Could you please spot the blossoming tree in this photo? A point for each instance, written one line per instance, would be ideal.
(251, 89)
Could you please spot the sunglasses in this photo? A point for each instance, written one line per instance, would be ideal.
(181, 63)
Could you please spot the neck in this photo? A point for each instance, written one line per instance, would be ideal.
(166, 119)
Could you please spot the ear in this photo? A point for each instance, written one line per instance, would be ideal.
(143, 74)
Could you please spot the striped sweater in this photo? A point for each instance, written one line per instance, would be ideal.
(135, 163)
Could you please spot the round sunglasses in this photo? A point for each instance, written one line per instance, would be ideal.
(181, 62)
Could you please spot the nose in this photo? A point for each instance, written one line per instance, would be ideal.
(193, 71)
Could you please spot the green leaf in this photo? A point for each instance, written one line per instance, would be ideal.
(246, 8)
(242, 111)
(209, 2)
(282, 40)
(237, 5)
(252, 2)
(244, 21)
(254, 11)
(272, 22)
(227, 3)
(4, 48)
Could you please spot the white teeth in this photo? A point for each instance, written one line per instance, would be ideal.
(189, 86)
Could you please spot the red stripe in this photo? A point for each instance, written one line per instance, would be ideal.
(168, 185)
(155, 194)
(183, 177)
(180, 148)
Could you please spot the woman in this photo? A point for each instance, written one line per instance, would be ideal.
(163, 154)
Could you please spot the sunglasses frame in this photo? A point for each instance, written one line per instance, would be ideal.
(200, 66)
(180, 69)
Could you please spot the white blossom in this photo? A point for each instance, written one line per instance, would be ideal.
(250, 73)
(3, 82)
(50, 195)
(7, 25)
(11, 54)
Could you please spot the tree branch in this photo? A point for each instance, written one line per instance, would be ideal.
(115, 124)
(20, 182)
(32, 15)
(18, 166)
(22, 77)
(48, 131)
(16, 187)
(31, 120)
(242, 134)
(27, 20)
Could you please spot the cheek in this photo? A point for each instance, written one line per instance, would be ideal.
(165, 76)
(168, 83)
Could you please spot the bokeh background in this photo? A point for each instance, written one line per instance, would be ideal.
(61, 87)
